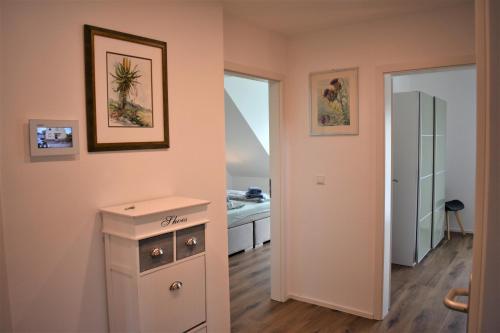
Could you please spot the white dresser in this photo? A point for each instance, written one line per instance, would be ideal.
(155, 265)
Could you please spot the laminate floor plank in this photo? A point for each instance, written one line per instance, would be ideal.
(416, 296)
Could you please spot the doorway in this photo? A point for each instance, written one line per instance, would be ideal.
(430, 157)
(254, 135)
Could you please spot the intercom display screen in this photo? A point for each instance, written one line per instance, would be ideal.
(54, 137)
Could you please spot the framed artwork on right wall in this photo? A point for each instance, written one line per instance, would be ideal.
(334, 102)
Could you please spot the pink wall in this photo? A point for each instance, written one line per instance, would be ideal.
(251, 46)
(334, 224)
(54, 247)
(5, 324)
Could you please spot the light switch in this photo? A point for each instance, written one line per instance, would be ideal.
(320, 180)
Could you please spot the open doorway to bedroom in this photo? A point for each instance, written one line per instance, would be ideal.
(432, 163)
(251, 107)
(246, 107)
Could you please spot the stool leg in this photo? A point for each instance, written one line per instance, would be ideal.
(460, 222)
(448, 224)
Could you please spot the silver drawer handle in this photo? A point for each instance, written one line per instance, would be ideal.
(176, 286)
(156, 252)
(191, 241)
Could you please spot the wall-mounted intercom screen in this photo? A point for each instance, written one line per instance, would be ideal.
(53, 137)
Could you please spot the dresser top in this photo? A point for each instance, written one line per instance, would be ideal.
(155, 206)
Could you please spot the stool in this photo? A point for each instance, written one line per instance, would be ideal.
(454, 206)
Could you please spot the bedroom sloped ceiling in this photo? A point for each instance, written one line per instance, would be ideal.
(251, 96)
(245, 155)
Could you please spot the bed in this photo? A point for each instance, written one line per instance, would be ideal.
(248, 226)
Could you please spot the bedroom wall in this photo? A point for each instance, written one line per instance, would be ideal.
(246, 107)
(54, 246)
(251, 98)
(335, 223)
(5, 322)
(245, 156)
(229, 180)
(243, 183)
(458, 88)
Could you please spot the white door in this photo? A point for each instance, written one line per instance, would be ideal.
(439, 170)
(405, 139)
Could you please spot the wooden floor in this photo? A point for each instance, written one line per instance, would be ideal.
(416, 295)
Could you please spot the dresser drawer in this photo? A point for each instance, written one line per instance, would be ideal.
(190, 241)
(156, 251)
(262, 231)
(172, 299)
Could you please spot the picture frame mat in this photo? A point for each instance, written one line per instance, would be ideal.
(107, 134)
(314, 78)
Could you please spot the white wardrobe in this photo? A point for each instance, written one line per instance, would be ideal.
(418, 161)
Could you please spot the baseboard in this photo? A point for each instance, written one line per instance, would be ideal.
(333, 306)
(285, 298)
(460, 231)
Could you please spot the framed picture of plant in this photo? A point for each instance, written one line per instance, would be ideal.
(334, 102)
(126, 91)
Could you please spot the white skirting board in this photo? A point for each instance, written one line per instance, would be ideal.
(457, 229)
(333, 306)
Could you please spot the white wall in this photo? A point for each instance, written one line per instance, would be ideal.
(229, 180)
(331, 228)
(245, 155)
(458, 88)
(251, 98)
(5, 322)
(54, 246)
(250, 46)
(243, 183)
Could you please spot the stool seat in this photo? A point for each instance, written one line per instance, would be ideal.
(454, 205)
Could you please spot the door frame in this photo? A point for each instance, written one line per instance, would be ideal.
(277, 158)
(383, 187)
(483, 51)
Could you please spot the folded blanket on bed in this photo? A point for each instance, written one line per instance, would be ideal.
(254, 191)
(242, 196)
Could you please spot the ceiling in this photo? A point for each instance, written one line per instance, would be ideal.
(293, 17)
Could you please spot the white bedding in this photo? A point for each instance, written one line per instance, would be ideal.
(251, 211)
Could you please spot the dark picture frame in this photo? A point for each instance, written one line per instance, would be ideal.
(95, 110)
